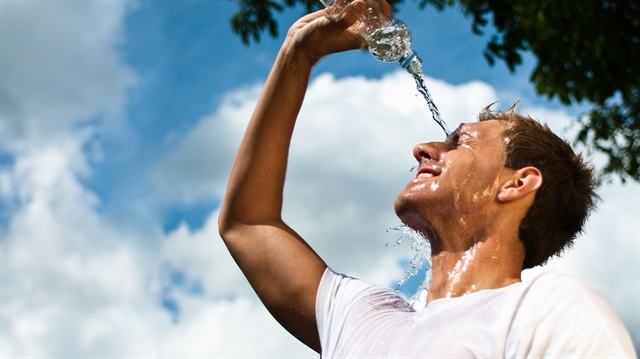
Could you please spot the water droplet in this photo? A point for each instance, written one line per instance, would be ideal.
(419, 261)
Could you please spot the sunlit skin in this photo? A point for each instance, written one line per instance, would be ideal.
(468, 204)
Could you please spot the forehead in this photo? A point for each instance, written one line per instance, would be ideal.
(490, 130)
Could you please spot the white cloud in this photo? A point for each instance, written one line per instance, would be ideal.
(201, 254)
(59, 67)
(61, 266)
(188, 175)
(230, 328)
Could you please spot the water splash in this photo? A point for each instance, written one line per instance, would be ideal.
(421, 258)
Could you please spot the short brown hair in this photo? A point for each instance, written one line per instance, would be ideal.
(567, 194)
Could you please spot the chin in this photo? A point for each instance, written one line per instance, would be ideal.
(411, 211)
(402, 205)
(409, 201)
(407, 212)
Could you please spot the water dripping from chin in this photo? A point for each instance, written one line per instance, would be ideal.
(420, 260)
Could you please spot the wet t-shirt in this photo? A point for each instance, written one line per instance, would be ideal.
(551, 314)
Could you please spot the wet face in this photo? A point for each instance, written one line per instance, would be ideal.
(456, 179)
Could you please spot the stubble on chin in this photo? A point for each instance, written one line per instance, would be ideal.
(407, 209)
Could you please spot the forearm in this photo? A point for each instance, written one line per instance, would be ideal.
(254, 193)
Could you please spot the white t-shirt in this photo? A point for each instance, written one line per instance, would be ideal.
(552, 314)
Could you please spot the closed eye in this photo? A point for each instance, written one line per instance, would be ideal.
(454, 139)
(458, 139)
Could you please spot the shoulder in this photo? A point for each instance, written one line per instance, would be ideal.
(564, 293)
(554, 282)
(558, 293)
(560, 314)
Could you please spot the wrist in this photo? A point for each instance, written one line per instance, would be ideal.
(297, 56)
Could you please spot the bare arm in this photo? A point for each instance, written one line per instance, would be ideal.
(283, 270)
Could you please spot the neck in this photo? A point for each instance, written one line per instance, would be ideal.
(491, 263)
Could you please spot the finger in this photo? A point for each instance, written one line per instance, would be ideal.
(354, 11)
(386, 7)
(349, 15)
(314, 15)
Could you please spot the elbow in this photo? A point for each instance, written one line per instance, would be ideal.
(230, 225)
(225, 225)
(234, 223)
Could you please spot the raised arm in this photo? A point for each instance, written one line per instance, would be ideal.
(283, 270)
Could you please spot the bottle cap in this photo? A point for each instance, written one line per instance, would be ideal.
(406, 61)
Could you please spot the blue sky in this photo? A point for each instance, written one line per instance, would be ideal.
(118, 124)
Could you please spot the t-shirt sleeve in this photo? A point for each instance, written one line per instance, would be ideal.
(347, 307)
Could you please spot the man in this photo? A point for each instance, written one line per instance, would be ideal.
(497, 196)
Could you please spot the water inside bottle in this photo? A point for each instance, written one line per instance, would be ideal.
(390, 43)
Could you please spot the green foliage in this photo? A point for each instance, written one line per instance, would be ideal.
(615, 130)
(256, 16)
(586, 51)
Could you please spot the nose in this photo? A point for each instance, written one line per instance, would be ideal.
(426, 150)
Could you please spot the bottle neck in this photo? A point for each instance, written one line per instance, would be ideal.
(412, 63)
(406, 60)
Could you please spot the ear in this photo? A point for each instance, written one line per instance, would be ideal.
(523, 181)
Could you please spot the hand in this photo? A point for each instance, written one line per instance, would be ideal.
(319, 34)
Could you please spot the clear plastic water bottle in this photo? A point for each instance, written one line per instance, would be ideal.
(388, 39)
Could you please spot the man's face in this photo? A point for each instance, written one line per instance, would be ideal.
(456, 179)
